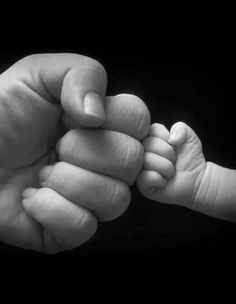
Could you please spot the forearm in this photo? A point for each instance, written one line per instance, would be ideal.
(216, 195)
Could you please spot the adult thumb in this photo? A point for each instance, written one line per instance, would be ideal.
(78, 82)
(83, 93)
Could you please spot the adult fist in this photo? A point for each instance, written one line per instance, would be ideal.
(63, 201)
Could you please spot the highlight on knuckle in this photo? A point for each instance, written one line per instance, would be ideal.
(57, 177)
(97, 66)
(93, 65)
(119, 200)
(66, 145)
(156, 126)
(133, 159)
(140, 116)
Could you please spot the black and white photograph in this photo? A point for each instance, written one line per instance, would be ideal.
(117, 149)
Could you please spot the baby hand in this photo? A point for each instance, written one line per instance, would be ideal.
(174, 165)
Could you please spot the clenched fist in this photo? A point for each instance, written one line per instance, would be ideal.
(174, 165)
(67, 153)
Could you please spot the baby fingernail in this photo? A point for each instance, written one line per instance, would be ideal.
(28, 192)
(93, 105)
(44, 173)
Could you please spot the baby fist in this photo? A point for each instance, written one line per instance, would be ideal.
(174, 165)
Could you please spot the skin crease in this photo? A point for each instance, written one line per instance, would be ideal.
(31, 124)
(27, 134)
(182, 173)
(186, 179)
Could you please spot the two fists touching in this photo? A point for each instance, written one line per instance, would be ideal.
(68, 155)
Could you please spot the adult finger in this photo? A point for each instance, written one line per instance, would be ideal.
(106, 152)
(107, 197)
(67, 224)
(125, 113)
(78, 82)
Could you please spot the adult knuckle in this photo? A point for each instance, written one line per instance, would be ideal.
(132, 154)
(119, 198)
(66, 144)
(93, 65)
(133, 159)
(56, 176)
(28, 58)
(80, 220)
(140, 116)
(82, 225)
(31, 59)
(97, 66)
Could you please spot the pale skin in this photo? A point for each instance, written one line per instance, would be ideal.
(68, 154)
(175, 172)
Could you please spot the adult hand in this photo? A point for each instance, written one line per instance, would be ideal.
(64, 200)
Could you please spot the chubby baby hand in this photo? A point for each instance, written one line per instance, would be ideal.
(173, 166)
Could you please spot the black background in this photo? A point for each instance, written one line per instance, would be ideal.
(182, 74)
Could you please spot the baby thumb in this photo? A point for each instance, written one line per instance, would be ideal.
(180, 134)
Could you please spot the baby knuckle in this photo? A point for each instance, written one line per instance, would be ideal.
(57, 177)
(181, 124)
(147, 159)
(169, 152)
(170, 171)
(147, 143)
(157, 126)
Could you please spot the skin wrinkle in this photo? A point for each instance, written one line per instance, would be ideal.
(112, 201)
(40, 77)
(41, 231)
(99, 69)
(22, 82)
(143, 122)
(128, 158)
(202, 183)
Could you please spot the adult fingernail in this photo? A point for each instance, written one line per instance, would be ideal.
(44, 173)
(28, 192)
(93, 106)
